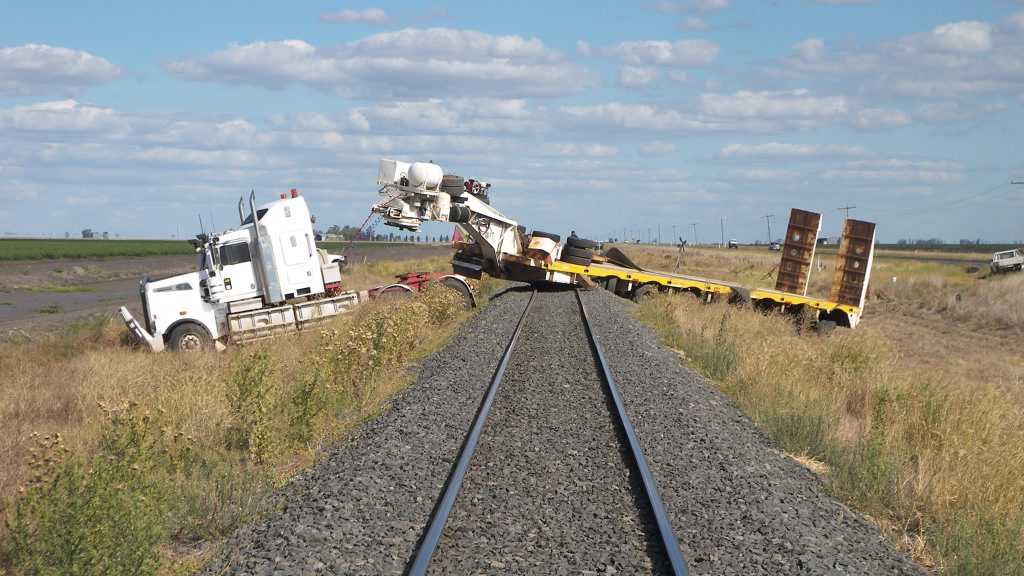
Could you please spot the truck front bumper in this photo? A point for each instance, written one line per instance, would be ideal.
(155, 344)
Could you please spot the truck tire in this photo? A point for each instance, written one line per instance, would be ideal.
(584, 243)
(739, 296)
(571, 250)
(189, 337)
(575, 260)
(548, 235)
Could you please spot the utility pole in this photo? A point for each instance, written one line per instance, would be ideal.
(674, 237)
(650, 238)
(723, 231)
(768, 218)
(659, 234)
(694, 225)
(847, 209)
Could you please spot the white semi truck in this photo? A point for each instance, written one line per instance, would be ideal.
(265, 277)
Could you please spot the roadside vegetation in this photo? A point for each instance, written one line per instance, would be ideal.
(44, 249)
(913, 419)
(118, 461)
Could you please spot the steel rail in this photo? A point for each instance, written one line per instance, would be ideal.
(442, 509)
(664, 525)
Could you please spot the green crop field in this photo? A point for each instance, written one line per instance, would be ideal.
(42, 249)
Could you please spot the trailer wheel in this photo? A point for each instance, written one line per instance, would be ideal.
(394, 292)
(739, 296)
(189, 337)
(643, 292)
(460, 287)
(548, 235)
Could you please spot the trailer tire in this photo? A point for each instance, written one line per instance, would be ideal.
(462, 288)
(643, 292)
(739, 296)
(394, 292)
(548, 235)
(577, 242)
(189, 337)
(824, 327)
(611, 284)
(575, 260)
(575, 252)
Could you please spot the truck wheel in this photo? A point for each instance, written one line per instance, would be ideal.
(739, 296)
(189, 337)
(548, 235)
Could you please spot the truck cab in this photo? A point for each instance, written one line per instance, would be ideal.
(270, 259)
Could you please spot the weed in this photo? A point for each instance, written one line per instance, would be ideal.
(937, 462)
(249, 401)
(50, 309)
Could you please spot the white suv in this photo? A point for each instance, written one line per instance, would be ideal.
(1007, 260)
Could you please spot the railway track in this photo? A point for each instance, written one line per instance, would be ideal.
(605, 496)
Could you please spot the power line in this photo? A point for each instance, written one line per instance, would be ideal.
(847, 208)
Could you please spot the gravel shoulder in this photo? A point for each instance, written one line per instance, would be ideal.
(360, 510)
(737, 504)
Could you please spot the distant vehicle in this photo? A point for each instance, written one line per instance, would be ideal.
(734, 244)
(775, 246)
(1007, 260)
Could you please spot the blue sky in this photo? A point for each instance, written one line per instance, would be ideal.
(604, 117)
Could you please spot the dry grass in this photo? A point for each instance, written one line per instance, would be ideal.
(360, 276)
(913, 418)
(212, 433)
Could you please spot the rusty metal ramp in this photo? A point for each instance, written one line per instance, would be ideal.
(853, 263)
(798, 251)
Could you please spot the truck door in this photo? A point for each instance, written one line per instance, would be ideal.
(237, 273)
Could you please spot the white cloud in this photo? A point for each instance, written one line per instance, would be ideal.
(952, 61)
(665, 53)
(368, 16)
(574, 149)
(897, 170)
(877, 118)
(971, 36)
(766, 174)
(794, 103)
(61, 116)
(658, 148)
(634, 116)
(693, 23)
(786, 150)
(583, 48)
(405, 62)
(709, 5)
(43, 69)
(810, 50)
(634, 76)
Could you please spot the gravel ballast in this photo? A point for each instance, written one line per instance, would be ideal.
(548, 491)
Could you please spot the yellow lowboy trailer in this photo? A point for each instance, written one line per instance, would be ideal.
(637, 283)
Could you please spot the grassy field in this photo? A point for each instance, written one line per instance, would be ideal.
(913, 418)
(19, 249)
(96, 436)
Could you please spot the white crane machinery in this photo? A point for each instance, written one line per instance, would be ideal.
(418, 192)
